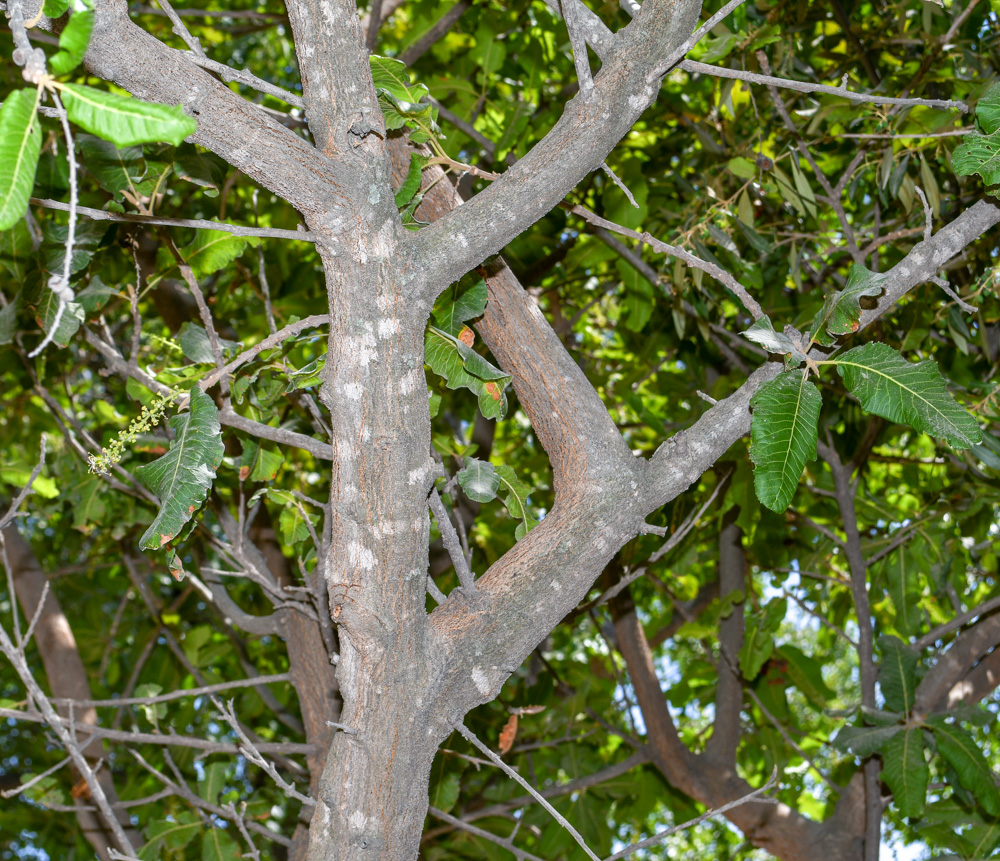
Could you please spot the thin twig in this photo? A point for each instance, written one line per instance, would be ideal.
(26, 490)
(506, 769)
(451, 541)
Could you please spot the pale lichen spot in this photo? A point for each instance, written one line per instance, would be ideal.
(556, 586)
(481, 681)
(387, 328)
(410, 381)
(416, 476)
(360, 556)
(357, 820)
(353, 391)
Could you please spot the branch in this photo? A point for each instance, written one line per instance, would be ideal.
(697, 68)
(196, 223)
(953, 665)
(578, 143)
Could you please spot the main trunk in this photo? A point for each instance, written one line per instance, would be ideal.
(373, 793)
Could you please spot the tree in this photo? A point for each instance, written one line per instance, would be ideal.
(401, 573)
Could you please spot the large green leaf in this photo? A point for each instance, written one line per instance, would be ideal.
(20, 144)
(478, 479)
(979, 154)
(183, 476)
(166, 836)
(514, 494)
(117, 170)
(897, 674)
(73, 42)
(806, 673)
(903, 579)
(841, 312)
(783, 436)
(905, 771)
(69, 323)
(459, 303)
(123, 120)
(965, 756)
(863, 741)
(213, 250)
(911, 393)
(218, 845)
(758, 641)
(463, 367)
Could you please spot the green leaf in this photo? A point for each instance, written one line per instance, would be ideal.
(260, 460)
(988, 110)
(458, 304)
(163, 837)
(55, 8)
(905, 771)
(213, 250)
(73, 42)
(742, 167)
(903, 578)
(915, 394)
(391, 77)
(964, 755)
(218, 845)
(445, 792)
(783, 434)
(479, 480)
(20, 144)
(897, 674)
(979, 154)
(292, 521)
(803, 188)
(514, 494)
(758, 641)
(841, 312)
(215, 778)
(411, 185)
(762, 332)
(69, 323)
(196, 346)
(123, 120)
(183, 476)
(863, 741)
(463, 367)
(117, 170)
(8, 319)
(806, 673)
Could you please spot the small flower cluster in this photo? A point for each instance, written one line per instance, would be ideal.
(148, 419)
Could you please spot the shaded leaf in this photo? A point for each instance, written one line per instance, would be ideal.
(20, 144)
(863, 741)
(463, 367)
(183, 476)
(897, 674)
(783, 434)
(479, 480)
(964, 755)
(901, 391)
(905, 771)
(841, 312)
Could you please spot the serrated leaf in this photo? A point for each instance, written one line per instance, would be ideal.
(783, 433)
(69, 323)
(172, 835)
(20, 144)
(763, 333)
(123, 120)
(988, 110)
(117, 170)
(905, 771)
(463, 367)
(459, 304)
(218, 845)
(411, 185)
(213, 250)
(73, 42)
(445, 792)
(183, 476)
(479, 480)
(965, 756)
(897, 674)
(841, 312)
(901, 391)
(979, 154)
(863, 741)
